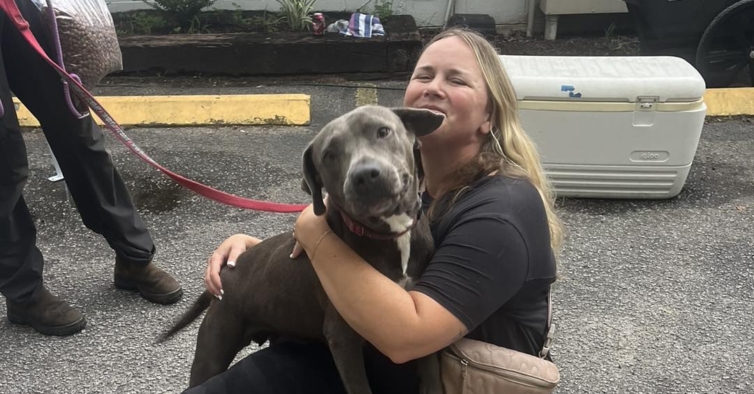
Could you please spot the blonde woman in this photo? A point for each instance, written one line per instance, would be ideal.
(494, 229)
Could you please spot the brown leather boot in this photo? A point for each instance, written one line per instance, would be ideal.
(152, 283)
(47, 314)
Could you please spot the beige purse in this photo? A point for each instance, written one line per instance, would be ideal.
(474, 367)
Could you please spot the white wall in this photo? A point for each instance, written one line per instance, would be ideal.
(425, 12)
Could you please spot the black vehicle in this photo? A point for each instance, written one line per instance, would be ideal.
(716, 36)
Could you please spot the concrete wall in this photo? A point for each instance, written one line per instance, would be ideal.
(425, 12)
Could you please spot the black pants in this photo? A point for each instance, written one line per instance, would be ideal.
(102, 199)
(306, 368)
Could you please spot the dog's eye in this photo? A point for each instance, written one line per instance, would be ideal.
(383, 132)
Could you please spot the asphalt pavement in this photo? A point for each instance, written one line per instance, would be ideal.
(653, 296)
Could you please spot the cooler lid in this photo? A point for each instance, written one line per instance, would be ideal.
(613, 79)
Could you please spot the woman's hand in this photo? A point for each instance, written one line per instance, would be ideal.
(226, 253)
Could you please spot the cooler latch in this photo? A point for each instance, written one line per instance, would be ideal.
(646, 106)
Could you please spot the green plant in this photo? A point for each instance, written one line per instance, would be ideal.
(609, 35)
(197, 26)
(184, 12)
(268, 22)
(297, 13)
(237, 18)
(143, 23)
(383, 8)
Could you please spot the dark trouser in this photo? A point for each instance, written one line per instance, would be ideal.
(306, 368)
(100, 194)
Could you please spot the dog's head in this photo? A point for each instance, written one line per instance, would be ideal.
(367, 161)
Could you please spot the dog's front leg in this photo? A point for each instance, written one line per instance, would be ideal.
(347, 349)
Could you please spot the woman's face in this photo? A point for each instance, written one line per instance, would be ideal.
(448, 79)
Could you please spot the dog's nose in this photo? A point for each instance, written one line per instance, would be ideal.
(366, 177)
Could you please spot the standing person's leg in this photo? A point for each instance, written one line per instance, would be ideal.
(21, 262)
(101, 196)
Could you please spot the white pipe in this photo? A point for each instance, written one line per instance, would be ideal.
(447, 13)
(530, 19)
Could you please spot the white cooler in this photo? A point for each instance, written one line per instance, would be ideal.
(611, 127)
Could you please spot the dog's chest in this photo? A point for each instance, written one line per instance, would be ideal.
(403, 243)
(404, 249)
(391, 257)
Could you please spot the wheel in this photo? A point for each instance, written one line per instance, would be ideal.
(727, 47)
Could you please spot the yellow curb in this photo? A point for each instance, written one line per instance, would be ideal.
(729, 101)
(292, 109)
(366, 95)
(257, 109)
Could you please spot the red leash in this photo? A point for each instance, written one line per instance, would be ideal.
(10, 9)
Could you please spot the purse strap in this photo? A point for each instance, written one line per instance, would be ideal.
(550, 328)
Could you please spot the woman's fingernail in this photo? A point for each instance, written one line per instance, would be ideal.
(231, 264)
(222, 292)
(219, 297)
(291, 255)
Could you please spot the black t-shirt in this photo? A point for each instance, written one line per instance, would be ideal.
(493, 264)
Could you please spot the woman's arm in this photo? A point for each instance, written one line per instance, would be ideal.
(402, 325)
(481, 263)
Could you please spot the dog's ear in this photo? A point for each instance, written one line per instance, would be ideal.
(312, 183)
(419, 121)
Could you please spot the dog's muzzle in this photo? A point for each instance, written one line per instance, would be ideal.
(374, 186)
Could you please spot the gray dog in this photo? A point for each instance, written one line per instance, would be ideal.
(367, 161)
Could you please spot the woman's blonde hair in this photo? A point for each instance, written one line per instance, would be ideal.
(509, 149)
